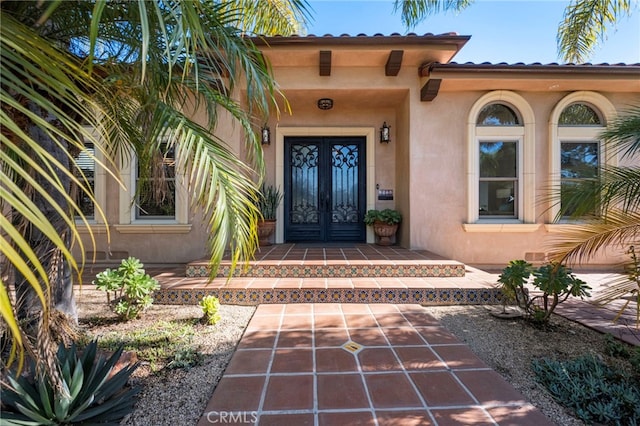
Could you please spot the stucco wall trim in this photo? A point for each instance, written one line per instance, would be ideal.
(501, 227)
(93, 228)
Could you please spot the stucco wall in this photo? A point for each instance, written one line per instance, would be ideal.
(439, 189)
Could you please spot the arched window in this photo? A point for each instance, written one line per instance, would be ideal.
(501, 162)
(577, 153)
(498, 115)
(579, 114)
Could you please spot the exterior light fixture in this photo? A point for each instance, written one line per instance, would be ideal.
(325, 103)
(266, 135)
(385, 136)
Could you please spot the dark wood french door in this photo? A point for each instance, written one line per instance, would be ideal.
(325, 189)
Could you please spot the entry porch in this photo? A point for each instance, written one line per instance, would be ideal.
(333, 273)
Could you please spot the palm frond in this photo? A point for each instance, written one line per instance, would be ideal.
(221, 185)
(37, 77)
(414, 12)
(617, 187)
(623, 133)
(268, 17)
(583, 240)
(584, 24)
(626, 286)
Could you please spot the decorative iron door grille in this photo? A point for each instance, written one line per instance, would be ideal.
(325, 189)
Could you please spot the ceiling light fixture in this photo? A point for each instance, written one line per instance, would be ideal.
(325, 103)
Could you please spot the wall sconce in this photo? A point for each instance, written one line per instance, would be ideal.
(385, 136)
(325, 103)
(266, 135)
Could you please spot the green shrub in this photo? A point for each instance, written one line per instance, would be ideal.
(618, 349)
(129, 289)
(513, 278)
(157, 343)
(554, 284)
(211, 309)
(596, 392)
(185, 358)
(615, 348)
(87, 395)
(388, 216)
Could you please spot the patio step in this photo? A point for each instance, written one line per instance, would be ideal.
(361, 260)
(438, 296)
(333, 270)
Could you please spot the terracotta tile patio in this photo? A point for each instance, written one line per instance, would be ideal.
(365, 364)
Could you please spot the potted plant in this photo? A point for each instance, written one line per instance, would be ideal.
(385, 224)
(269, 199)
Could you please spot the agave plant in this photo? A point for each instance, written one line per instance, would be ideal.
(88, 392)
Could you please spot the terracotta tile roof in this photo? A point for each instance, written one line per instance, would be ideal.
(364, 39)
(539, 64)
(536, 67)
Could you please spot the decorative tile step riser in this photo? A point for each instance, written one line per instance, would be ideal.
(333, 271)
(433, 297)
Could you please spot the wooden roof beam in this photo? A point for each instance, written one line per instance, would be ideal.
(325, 63)
(430, 90)
(394, 62)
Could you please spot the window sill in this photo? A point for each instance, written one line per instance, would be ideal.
(557, 228)
(501, 227)
(155, 228)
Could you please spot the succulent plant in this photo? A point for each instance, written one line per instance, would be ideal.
(88, 393)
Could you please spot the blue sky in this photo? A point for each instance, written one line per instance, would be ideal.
(501, 30)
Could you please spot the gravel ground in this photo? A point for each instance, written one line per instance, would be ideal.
(178, 397)
(172, 397)
(509, 346)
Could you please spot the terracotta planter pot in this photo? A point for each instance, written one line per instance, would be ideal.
(384, 231)
(266, 228)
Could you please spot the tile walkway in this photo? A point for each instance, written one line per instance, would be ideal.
(360, 364)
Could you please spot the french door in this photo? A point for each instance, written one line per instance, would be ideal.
(325, 189)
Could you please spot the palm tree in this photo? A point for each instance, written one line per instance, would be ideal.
(584, 23)
(126, 69)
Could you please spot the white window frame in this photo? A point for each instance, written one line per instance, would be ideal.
(99, 182)
(128, 223)
(559, 134)
(509, 135)
(524, 134)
